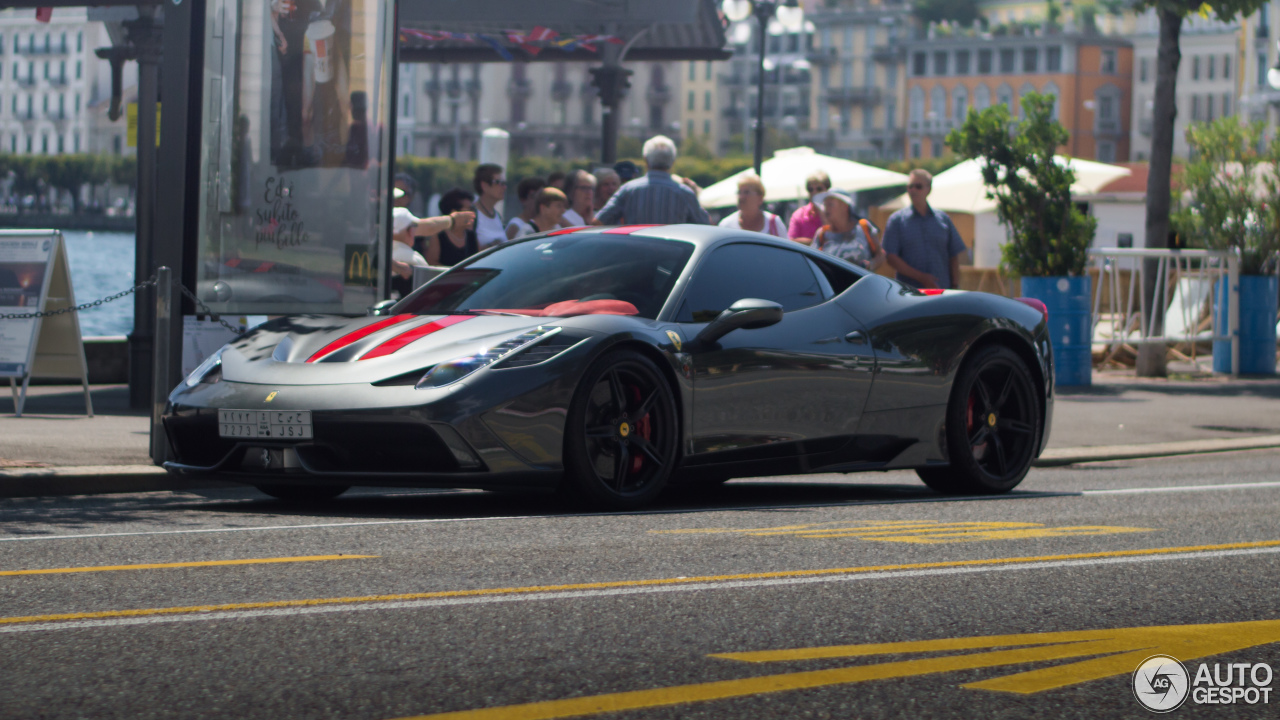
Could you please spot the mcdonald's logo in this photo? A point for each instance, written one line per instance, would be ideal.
(359, 266)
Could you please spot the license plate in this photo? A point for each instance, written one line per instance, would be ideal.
(273, 424)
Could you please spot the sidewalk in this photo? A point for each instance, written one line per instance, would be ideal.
(55, 449)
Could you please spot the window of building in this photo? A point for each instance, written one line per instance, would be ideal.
(1052, 89)
(962, 62)
(706, 100)
(1226, 104)
(13, 143)
(919, 63)
(936, 146)
(1053, 59)
(846, 119)
(44, 102)
(915, 107)
(46, 69)
(890, 113)
(706, 127)
(14, 105)
(77, 104)
(1004, 96)
(1208, 108)
(1030, 60)
(63, 45)
(959, 104)
(115, 145)
(44, 139)
(937, 104)
(1195, 67)
(940, 63)
(1226, 67)
(915, 149)
(62, 70)
(846, 74)
(693, 100)
(1106, 151)
(1109, 62)
(29, 145)
(981, 98)
(868, 118)
(80, 41)
(984, 62)
(1144, 70)
(708, 73)
(1195, 108)
(1212, 61)
(693, 72)
(1007, 61)
(76, 141)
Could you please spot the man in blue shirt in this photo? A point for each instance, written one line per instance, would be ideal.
(922, 244)
(657, 198)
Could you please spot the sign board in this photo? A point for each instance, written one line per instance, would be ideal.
(35, 278)
(131, 125)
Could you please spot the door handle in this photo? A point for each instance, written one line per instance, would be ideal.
(856, 337)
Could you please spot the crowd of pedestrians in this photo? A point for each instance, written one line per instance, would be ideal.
(920, 243)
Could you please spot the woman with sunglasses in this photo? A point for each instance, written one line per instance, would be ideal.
(491, 188)
(751, 214)
(806, 221)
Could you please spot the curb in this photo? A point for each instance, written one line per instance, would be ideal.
(94, 480)
(110, 479)
(1056, 457)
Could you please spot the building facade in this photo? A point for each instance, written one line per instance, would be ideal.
(858, 80)
(787, 85)
(1091, 76)
(53, 87)
(550, 109)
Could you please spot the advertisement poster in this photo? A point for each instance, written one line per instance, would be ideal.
(24, 267)
(293, 213)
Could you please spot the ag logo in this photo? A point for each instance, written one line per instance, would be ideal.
(1161, 683)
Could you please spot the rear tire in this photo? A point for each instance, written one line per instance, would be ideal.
(621, 438)
(993, 426)
(304, 493)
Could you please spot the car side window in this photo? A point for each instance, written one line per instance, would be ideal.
(747, 270)
(839, 278)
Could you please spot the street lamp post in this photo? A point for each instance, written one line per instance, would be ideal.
(791, 16)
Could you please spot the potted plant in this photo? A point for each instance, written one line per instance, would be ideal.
(1049, 236)
(1230, 200)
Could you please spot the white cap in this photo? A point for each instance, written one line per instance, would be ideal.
(397, 193)
(401, 219)
(822, 196)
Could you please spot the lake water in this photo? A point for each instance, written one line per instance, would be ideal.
(102, 265)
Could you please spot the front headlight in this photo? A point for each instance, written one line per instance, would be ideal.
(208, 367)
(447, 373)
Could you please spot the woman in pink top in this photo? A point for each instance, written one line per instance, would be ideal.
(806, 221)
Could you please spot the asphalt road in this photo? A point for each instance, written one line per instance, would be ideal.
(892, 601)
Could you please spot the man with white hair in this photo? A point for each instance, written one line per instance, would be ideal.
(657, 198)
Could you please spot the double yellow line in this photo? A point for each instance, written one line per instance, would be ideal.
(620, 584)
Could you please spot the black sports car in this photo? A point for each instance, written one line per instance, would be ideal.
(609, 362)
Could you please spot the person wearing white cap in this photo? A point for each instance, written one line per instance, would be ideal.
(845, 236)
(404, 227)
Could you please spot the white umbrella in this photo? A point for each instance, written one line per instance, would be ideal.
(784, 177)
(961, 188)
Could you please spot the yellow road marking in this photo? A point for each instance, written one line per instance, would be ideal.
(529, 589)
(1120, 652)
(920, 531)
(206, 563)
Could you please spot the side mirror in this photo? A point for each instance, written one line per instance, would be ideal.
(382, 307)
(746, 314)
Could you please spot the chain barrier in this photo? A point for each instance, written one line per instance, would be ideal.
(149, 282)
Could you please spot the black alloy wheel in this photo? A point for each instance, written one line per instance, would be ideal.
(993, 426)
(622, 435)
(303, 493)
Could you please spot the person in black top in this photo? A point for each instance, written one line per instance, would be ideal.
(452, 246)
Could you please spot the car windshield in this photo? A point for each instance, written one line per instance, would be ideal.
(559, 276)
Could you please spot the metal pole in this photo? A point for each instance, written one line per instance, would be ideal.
(144, 33)
(1233, 309)
(161, 384)
(763, 12)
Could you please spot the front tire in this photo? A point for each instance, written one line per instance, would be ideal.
(304, 493)
(622, 435)
(993, 426)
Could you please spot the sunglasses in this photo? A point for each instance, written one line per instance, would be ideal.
(815, 188)
(499, 181)
(916, 186)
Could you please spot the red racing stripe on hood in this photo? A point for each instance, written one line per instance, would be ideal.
(363, 332)
(409, 336)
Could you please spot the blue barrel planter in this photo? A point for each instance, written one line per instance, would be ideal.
(1257, 326)
(1070, 325)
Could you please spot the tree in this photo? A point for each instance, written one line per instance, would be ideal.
(964, 12)
(1048, 235)
(1151, 358)
(1223, 187)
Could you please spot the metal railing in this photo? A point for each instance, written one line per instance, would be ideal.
(1188, 285)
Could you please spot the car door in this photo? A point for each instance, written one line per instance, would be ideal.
(801, 380)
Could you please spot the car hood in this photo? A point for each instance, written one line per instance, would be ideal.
(321, 350)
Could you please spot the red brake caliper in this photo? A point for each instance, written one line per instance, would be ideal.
(642, 426)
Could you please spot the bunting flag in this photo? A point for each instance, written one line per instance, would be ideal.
(532, 42)
(44, 14)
